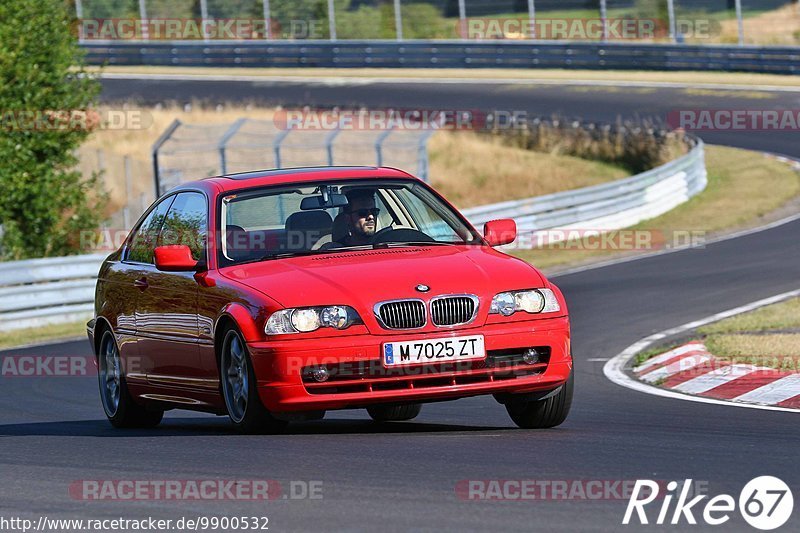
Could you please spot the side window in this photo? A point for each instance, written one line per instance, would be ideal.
(187, 223)
(144, 240)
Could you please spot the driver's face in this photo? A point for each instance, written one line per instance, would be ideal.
(362, 217)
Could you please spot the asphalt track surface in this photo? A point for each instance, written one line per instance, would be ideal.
(403, 476)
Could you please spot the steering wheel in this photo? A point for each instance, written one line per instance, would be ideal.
(390, 227)
(400, 235)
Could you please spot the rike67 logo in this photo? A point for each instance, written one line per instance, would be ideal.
(765, 503)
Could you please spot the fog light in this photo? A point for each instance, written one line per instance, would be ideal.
(531, 356)
(320, 374)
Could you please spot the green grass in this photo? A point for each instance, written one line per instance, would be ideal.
(471, 169)
(742, 345)
(21, 337)
(784, 315)
(767, 337)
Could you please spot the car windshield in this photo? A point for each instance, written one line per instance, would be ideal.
(318, 218)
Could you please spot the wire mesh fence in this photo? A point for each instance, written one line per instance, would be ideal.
(190, 152)
(127, 181)
(187, 152)
(680, 21)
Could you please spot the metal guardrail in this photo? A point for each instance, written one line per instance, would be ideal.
(56, 290)
(59, 290)
(447, 54)
(608, 206)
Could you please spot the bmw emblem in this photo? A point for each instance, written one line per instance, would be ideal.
(422, 288)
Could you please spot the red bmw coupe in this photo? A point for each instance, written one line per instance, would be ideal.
(274, 296)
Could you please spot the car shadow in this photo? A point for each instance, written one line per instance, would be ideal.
(173, 427)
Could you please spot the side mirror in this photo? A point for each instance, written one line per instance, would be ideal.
(175, 258)
(500, 232)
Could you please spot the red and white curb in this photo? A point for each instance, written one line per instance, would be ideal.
(692, 369)
(691, 373)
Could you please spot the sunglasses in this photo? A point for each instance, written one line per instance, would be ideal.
(364, 213)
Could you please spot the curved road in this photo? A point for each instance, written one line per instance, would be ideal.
(403, 476)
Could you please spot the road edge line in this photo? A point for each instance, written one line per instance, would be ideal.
(614, 369)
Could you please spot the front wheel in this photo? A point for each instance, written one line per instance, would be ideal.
(239, 388)
(546, 413)
(120, 408)
(394, 413)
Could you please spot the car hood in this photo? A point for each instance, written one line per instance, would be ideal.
(362, 278)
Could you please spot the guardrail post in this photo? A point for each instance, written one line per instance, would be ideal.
(379, 147)
(739, 21)
(143, 19)
(101, 161)
(332, 20)
(126, 211)
(462, 15)
(604, 19)
(422, 156)
(671, 12)
(398, 21)
(79, 16)
(532, 19)
(267, 21)
(203, 18)
(223, 142)
(329, 144)
(156, 147)
(276, 147)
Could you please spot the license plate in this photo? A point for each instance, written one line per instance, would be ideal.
(433, 350)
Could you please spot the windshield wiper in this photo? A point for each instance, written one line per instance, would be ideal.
(300, 253)
(414, 243)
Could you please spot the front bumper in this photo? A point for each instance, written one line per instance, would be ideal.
(280, 366)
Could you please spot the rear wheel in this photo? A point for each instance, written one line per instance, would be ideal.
(239, 388)
(546, 413)
(120, 408)
(394, 413)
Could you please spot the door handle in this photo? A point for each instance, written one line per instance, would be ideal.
(141, 283)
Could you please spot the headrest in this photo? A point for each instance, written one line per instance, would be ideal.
(340, 228)
(308, 221)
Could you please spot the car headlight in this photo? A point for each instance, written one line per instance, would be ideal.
(530, 301)
(307, 319)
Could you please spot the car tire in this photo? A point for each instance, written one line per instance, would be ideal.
(394, 413)
(546, 413)
(119, 406)
(240, 388)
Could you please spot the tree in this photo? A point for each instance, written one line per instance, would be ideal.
(45, 203)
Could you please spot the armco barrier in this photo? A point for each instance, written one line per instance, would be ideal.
(608, 206)
(56, 290)
(46, 291)
(446, 54)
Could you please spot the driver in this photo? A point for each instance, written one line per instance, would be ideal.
(362, 217)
